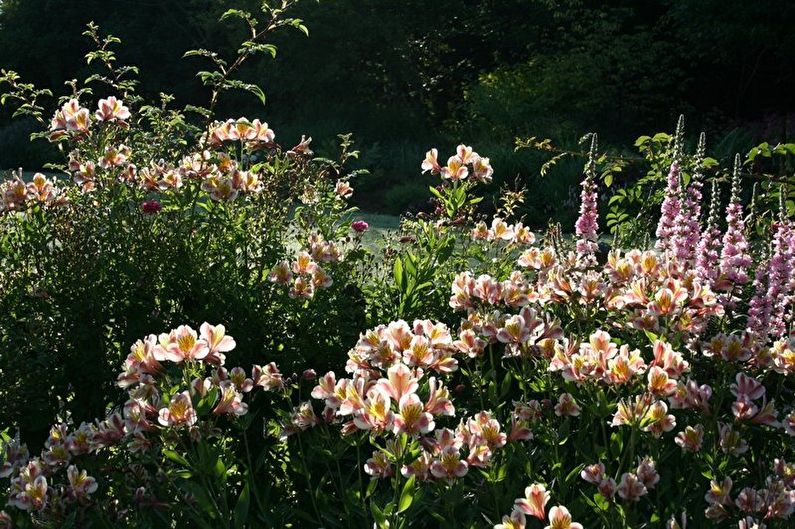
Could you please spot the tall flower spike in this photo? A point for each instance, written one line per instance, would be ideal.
(687, 225)
(587, 226)
(707, 255)
(734, 259)
(759, 308)
(672, 201)
(780, 272)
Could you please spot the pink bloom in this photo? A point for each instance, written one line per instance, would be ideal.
(399, 382)
(671, 208)
(587, 225)
(343, 189)
(378, 466)
(80, 483)
(515, 521)
(734, 260)
(748, 386)
(151, 206)
(449, 465)
(690, 438)
(217, 342)
(567, 406)
(360, 226)
(482, 170)
(719, 492)
(281, 273)
(181, 344)
(534, 502)
(179, 411)
(230, 402)
(455, 169)
(707, 250)
(431, 162)
(647, 473)
(593, 473)
(267, 377)
(560, 518)
(631, 488)
(412, 418)
(112, 109)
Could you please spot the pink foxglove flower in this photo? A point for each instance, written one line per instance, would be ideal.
(687, 224)
(734, 259)
(780, 272)
(671, 208)
(587, 225)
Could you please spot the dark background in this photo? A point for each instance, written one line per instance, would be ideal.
(406, 75)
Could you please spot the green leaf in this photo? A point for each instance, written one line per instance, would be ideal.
(176, 458)
(242, 507)
(397, 272)
(407, 495)
(435, 192)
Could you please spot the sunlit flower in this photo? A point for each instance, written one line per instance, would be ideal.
(179, 411)
(112, 109)
(534, 502)
(559, 518)
(515, 521)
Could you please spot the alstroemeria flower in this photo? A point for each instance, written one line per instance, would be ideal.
(111, 109)
(376, 413)
(343, 189)
(515, 521)
(267, 377)
(631, 488)
(412, 418)
(455, 169)
(81, 484)
(431, 162)
(181, 344)
(534, 502)
(560, 518)
(217, 343)
(449, 465)
(400, 381)
(179, 411)
(230, 402)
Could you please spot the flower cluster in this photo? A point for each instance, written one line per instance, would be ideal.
(502, 231)
(460, 166)
(304, 274)
(16, 195)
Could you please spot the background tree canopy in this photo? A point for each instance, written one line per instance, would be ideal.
(405, 75)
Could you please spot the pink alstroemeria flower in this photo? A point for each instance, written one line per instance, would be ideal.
(560, 518)
(181, 344)
(217, 342)
(179, 411)
(112, 108)
(534, 502)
